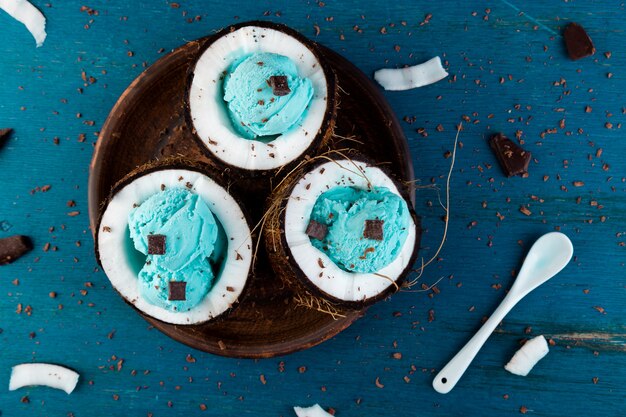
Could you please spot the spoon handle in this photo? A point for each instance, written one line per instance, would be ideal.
(447, 378)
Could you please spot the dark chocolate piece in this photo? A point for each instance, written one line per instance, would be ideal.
(373, 229)
(316, 230)
(577, 42)
(279, 84)
(513, 159)
(156, 244)
(4, 135)
(177, 291)
(13, 247)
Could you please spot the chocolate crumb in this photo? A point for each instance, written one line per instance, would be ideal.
(156, 244)
(577, 41)
(177, 291)
(366, 251)
(513, 159)
(279, 84)
(13, 247)
(373, 229)
(316, 230)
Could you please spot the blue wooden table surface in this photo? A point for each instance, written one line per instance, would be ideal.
(509, 73)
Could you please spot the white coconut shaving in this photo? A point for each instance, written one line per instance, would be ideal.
(313, 411)
(399, 79)
(315, 264)
(527, 356)
(53, 376)
(122, 269)
(27, 14)
(210, 115)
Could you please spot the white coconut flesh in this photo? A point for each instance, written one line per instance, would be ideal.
(527, 356)
(49, 375)
(209, 112)
(122, 264)
(313, 411)
(399, 79)
(27, 14)
(326, 275)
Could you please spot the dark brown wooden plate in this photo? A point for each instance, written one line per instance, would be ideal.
(148, 122)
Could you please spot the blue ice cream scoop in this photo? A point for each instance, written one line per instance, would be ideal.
(155, 284)
(179, 235)
(265, 95)
(183, 218)
(366, 229)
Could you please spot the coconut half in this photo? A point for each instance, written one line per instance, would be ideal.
(208, 114)
(302, 265)
(121, 263)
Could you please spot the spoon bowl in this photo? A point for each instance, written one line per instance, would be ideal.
(546, 258)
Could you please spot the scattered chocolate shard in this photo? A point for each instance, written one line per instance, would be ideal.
(373, 229)
(316, 230)
(577, 41)
(156, 244)
(279, 84)
(13, 247)
(513, 159)
(4, 135)
(177, 291)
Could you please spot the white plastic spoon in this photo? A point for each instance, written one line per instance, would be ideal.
(549, 255)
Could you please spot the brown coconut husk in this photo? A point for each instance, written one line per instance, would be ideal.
(408, 284)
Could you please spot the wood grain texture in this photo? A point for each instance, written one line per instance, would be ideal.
(512, 73)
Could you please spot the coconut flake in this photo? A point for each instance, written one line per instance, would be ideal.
(313, 411)
(27, 14)
(53, 376)
(399, 79)
(527, 356)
